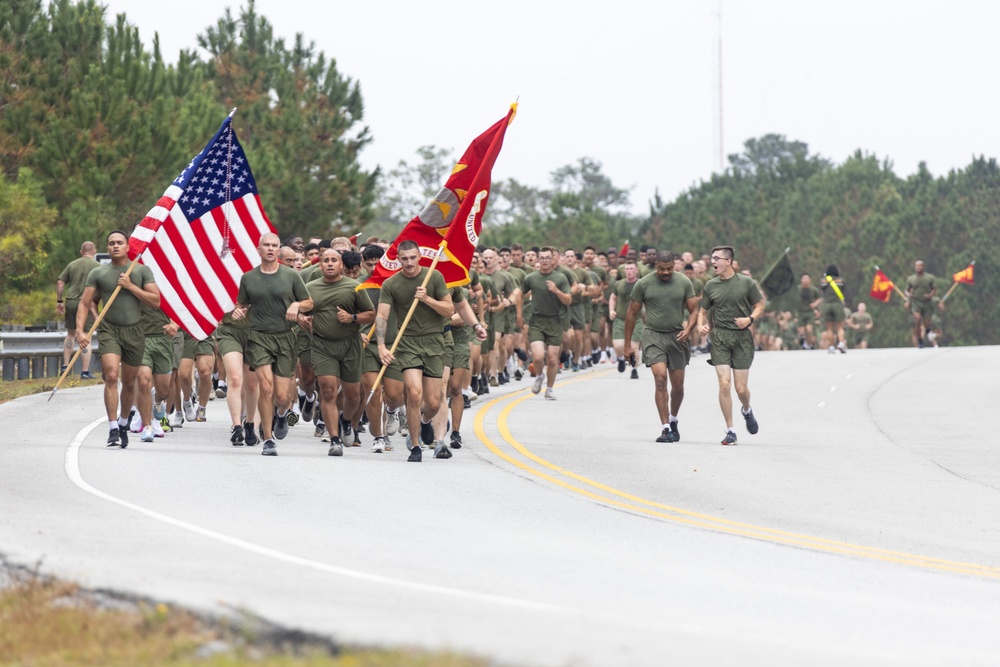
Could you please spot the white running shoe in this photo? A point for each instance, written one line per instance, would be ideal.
(176, 420)
(539, 381)
(189, 411)
(157, 430)
(147, 434)
(391, 422)
(469, 394)
(549, 394)
(159, 410)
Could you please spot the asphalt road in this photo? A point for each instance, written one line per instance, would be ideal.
(860, 526)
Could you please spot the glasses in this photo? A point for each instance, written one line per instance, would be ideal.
(719, 259)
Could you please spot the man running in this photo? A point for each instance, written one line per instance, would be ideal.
(730, 304)
(920, 292)
(618, 305)
(120, 334)
(273, 295)
(550, 297)
(69, 289)
(671, 315)
(421, 348)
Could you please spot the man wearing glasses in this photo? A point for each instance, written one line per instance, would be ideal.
(730, 304)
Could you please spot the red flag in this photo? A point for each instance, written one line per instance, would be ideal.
(354, 239)
(881, 287)
(624, 251)
(966, 275)
(454, 215)
(202, 235)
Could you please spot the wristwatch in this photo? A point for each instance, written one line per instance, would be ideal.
(751, 319)
(354, 317)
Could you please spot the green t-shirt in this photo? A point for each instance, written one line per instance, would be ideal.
(327, 297)
(269, 296)
(570, 276)
(806, 297)
(311, 273)
(602, 275)
(458, 295)
(543, 302)
(126, 310)
(665, 302)
(921, 286)
(829, 295)
(582, 276)
(623, 295)
(398, 291)
(862, 320)
(153, 321)
(391, 325)
(728, 299)
(74, 277)
(517, 274)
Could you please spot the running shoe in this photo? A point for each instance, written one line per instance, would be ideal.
(539, 381)
(292, 417)
(302, 401)
(200, 416)
(621, 364)
(357, 439)
(415, 456)
(677, 432)
(176, 419)
(831, 349)
(220, 392)
(474, 385)
(730, 438)
(494, 382)
(308, 410)
(635, 374)
(751, 422)
(134, 421)
(456, 440)
(361, 428)
(236, 436)
(666, 436)
(842, 346)
(159, 410)
(147, 434)
(518, 375)
(345, 427)
(466, 403)
(113, 437)
(320, 429)
(281, 427)
(249, 434)
(549, 394)
(158, 431)
(441, 450)
(576, 367)
(123, 436)
(190, 412)
(269, 448)
(379, 445)
(336, 447)
(426, 433)
(85, 375)
(391, 421)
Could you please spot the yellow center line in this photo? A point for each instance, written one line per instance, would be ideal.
(688, 517)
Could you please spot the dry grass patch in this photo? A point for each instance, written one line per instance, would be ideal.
(18, 388)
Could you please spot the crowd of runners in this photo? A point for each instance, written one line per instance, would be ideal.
(305, 343)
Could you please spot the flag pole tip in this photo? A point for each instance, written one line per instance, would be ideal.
(233, 112)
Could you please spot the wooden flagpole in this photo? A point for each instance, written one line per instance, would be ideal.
(406, 321)
(97, 321)
(953, 286)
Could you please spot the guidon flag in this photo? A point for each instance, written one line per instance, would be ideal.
(881, 287)
(966, 275)
(454, 215)
(202, 235)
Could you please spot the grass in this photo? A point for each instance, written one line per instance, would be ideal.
(18, 388)
(45, 622)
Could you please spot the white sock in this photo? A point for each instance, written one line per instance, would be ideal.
(311, 397)
(112, 424)
(222, 383)
(745, 411)
(282, 413)
(122, 421)
(730, 430)
(301, 391)
(673, 419)
(666, 426)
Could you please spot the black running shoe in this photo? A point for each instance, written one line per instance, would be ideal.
(456, 440)
(292, 417)
(635, 374)
(751, 422)
(281, 426)
(357, 440)
(730, 438)
(336, 447)
(518, 374)
(474, 385)
(269, 448)
(85, 375)
(426, 433)
(249, 434)
(302, 402)
(113, 437)
(320, 429)
(666, 436)
(466, 403)
(361, 428)
(677, 432)
(621, 365)
(415, 456)
(345, 428)
(236, 437)
(308, 410)
(123, 436)
(441, 450)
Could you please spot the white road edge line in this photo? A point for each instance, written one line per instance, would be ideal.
(72, 465)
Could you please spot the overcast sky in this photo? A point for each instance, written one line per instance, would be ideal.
(635, 85)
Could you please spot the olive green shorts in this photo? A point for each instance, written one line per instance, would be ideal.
(158, 354)
(370, 363)
(129, 343)
(526, 310)
(460, 353)
(618, 329)
(923, 308)
(303, 346)
(491, 334)
(831, 312)
(425, 352)
(72, 306)
(197, 348)
(340, 358)
(546, 330)
(861, 337)
(578, 316)
(233, 339)
(505, 320)
(659, 347)
(731, 347)
(597, 320)
(277, 350)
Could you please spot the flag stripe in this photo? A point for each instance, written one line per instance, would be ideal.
(169, 299)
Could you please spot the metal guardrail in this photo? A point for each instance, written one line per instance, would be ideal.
(38, 355)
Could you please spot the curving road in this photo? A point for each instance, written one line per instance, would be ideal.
(860, 526)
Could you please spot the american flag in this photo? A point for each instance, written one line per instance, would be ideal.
(202, 235)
